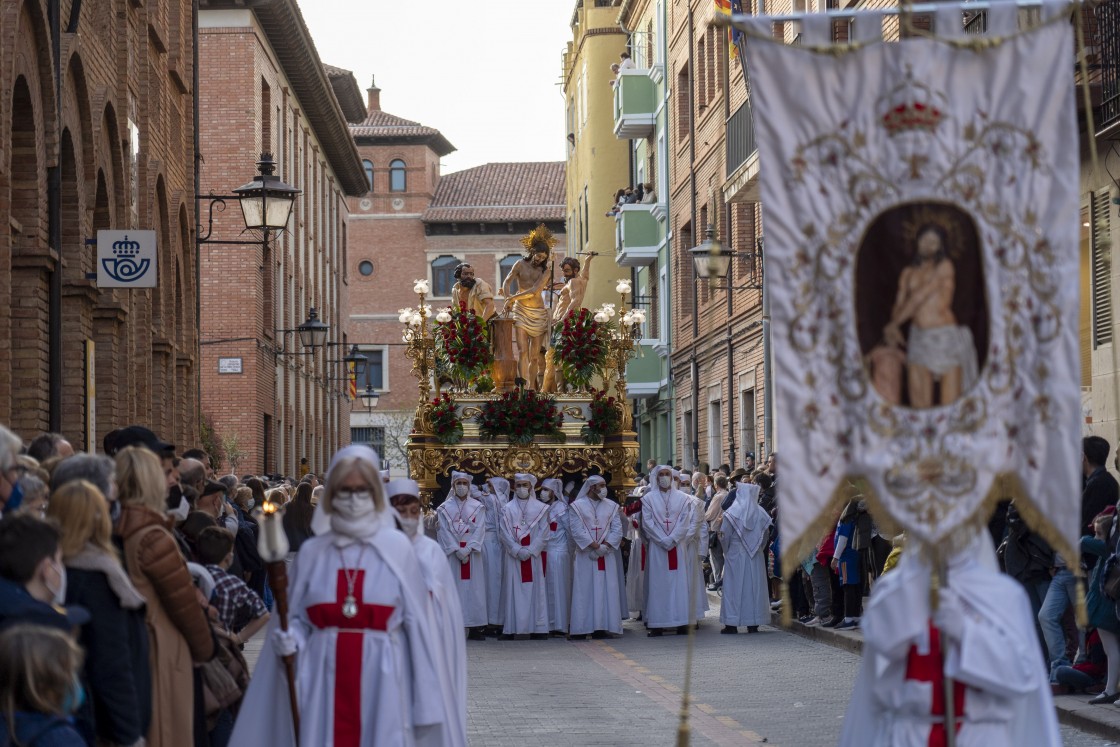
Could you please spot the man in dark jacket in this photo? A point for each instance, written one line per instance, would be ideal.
(1100, 488)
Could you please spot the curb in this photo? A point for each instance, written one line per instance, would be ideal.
(1073, 710)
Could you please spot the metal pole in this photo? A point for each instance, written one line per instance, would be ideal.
(767, 368)
(54, 237)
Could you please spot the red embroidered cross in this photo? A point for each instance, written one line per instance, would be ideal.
(348, 653)
(929, 668)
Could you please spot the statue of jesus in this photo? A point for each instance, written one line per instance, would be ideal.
(530, 317)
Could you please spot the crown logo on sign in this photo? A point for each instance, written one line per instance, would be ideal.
(125, 248)
(911, 106)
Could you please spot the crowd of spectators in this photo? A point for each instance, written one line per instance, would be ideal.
(129, 583)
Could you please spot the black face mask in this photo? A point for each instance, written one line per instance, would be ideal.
(467, 282)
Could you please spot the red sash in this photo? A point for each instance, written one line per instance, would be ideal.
(928, 668)
(527, 564)
(673, 558)
(643, 556)
(465, 568)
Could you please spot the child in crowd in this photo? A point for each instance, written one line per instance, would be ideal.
(239, 608)
(39, 687)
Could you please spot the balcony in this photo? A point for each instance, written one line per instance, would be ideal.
(634, 104)
(644, 373)
(742, 156)
(638, 234)
(1103, 60)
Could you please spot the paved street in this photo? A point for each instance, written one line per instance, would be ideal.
(773, 687)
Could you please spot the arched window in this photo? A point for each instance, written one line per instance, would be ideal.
(368, 166)
(397, 180)
(505, 266)
(443, 275)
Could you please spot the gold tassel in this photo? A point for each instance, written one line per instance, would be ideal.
(787, 604)
(1080, 607)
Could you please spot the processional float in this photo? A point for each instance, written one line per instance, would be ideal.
(922, 250)
(480, 410)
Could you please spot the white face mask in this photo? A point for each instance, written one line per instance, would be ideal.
(595, 494)
(462, 490)
(180, 512)
(353, 505)
(664, 481)
(410, 526)
(249, 506)
(523, 492)
(546, 495)
(58, 596)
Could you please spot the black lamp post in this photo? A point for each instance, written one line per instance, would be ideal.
(266, 202)
(369, 396)
(313, 332)
(709, 258)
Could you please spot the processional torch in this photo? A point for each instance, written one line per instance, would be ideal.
(273, 548)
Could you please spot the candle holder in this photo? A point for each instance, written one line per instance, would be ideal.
(421, 348)
(272, 545)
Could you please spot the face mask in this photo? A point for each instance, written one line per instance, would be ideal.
(180, 512)
(595, 494)
(461, 490)
(58, 596)
(353, 505)
(410, 526)
(546, 495)
(523, 493)
(15, 498)
(664, 481)
(75, 697)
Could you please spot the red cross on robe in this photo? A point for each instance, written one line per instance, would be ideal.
(348, 653)
(929, 668)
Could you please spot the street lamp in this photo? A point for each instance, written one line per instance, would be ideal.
(313, 332)
(369, 396)
(709, 259)
(266, 202)
(357, 359)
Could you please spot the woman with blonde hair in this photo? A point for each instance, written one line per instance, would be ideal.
(177, 625)
(39, 686)
(368, 669)
(116, 672)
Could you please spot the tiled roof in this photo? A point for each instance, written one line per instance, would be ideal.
(346, 91)
(385, 127)
(500, 192)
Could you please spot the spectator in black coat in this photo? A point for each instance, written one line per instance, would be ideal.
(1100, 488)
(116, 672)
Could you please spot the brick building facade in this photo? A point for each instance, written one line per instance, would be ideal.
(718, 365)
(263, 89)
(414, 223)
(97, 138)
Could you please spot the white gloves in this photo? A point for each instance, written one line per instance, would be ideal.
(463, 553)
(286, 642)
(523, 553)
(950, 615)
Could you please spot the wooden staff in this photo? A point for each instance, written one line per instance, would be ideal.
(950, 715)
(272, 544)
(278, 582)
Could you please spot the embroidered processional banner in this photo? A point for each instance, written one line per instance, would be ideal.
(920, 202)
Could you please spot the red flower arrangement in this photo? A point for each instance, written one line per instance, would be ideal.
(605, 418)
(446, 424)
(465, 344)
(581, 350)
(522, 415)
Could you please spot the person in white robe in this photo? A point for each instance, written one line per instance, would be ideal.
(983, 619)
(666, 521)
(697, 549)
(462, 532)
(557, 559)
(596, 527)
(447, 614)
(367, 662)
(493, 555)
(524, 532)
(636, 567)
(746, 596)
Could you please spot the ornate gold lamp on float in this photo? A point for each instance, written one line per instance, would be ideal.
(471, 417)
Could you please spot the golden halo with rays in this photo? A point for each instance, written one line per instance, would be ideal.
(942, 215)
(539, 235)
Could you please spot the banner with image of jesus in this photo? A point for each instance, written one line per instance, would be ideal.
(920, 205)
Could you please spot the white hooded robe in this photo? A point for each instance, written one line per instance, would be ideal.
(666, 521)
(746, 596)
(596, 602)
(462, 525)
(524, 531)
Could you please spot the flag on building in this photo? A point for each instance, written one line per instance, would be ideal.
(352, 380)
(922, 256)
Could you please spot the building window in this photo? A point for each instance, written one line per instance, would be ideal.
(505, 266)
(374, 373)
(365, 267)
(443, 275)
(747, 420)
(371, 437)
(397, 180)
(715, 432)
(368, 166)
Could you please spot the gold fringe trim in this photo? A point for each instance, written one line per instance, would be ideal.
(1005, 486)
(974, 42)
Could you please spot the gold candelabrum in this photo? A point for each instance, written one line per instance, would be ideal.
(421, 350)
(621, 347)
